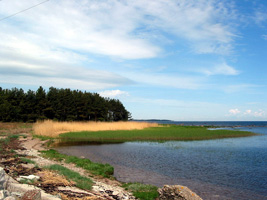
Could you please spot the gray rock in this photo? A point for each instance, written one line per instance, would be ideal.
(177, 192)
(22, 188)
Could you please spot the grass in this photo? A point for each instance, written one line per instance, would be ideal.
(162, 133)
(81, 181)
(142, 191)
(27, 181)
(26, 160)
(104, 170)
(54, 129)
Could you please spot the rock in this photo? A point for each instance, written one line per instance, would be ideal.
(22, 188)
(2, 195)
(30, 178)
(32, 195)
(10, 198)
(177, 192)
(2, 178)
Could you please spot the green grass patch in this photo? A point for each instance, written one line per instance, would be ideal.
(104, 170)
(41, 137)
(164, 133)
(27, 181)
(27, 160)
(142, 191)
(81, 181)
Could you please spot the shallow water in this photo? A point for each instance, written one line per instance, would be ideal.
(232, 168)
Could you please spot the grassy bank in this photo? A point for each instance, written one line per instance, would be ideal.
(161, 133)
(139, 190)
(104, 170)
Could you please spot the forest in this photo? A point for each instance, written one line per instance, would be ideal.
(59, 105)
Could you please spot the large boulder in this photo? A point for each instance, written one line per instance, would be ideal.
(177, 192)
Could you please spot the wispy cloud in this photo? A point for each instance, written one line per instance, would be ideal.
(167, 80)
(203, 23)
(54, 38)
(125, 29)
(260, 16)
(239, 88)
(221, 69)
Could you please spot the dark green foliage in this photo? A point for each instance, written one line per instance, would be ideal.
(58, 104)
(104, 170)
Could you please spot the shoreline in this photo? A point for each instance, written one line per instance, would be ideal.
(25, 146)
(28, 147)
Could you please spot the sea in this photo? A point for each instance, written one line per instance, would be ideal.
(223, 169)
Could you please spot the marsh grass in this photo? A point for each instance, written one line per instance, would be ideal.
(163, 133)
(104, 170)
(54, 129)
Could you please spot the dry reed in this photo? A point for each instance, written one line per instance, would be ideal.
(54, 129)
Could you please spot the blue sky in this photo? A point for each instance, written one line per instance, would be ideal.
(164, 59)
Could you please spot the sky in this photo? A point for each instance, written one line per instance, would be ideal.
(182, 60)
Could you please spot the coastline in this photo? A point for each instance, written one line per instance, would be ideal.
(25, 146)
(29, 147)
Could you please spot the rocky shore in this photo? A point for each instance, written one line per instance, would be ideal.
(27, 181)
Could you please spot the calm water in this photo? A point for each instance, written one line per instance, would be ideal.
(233, 168)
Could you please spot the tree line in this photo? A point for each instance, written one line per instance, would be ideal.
(58, 104)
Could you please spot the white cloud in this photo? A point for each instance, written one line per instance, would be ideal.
(259, 113)
(234, 111)
(123, 29)
(264, 37)
(113, 93)
(55, 39)
(58, 74)
(247, 112)
(202, 23)
(222, 69)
